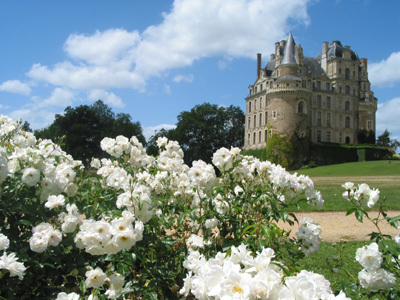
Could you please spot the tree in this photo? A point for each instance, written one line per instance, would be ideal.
(385, 140)
(83, 127)
(206, 128)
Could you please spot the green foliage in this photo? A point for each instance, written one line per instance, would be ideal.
(280, 150)
(385, 140)
(208, 127)
(366, 136)
(83, 127)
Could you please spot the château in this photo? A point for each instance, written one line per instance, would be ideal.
(323, 99)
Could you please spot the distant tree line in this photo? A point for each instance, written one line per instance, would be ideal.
(200, 131)
(82, 128)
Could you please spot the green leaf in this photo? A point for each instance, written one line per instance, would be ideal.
(25, 222)
(359, 215)
(393, 221)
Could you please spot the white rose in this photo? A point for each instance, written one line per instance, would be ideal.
(30, 176)
(95, 278)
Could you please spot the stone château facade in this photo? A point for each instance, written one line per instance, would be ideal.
(322, 99)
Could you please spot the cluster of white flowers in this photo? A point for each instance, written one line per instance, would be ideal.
(102, 237)
(253, 173)
(373, 277)
(70, 220)
(10, 262)
(240, 275)
(363, 194)
(44, 235)
(95, 278)
(309, 235)
(65, 296)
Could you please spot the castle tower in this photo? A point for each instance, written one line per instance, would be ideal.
(289, 98)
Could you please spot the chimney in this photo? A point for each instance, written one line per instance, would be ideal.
(283, 43)
(258, 64)
(364, 62)
(324, 47)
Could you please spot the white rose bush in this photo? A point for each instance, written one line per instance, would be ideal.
(132, 226)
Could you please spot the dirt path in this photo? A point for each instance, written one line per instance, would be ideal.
(336, 226)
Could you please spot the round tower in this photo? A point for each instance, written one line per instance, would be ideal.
(290, 95)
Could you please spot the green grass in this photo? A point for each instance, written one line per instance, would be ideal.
(373, 173)
(365, 168)
(336, 261)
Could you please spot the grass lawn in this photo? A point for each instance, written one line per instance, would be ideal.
(377, 174)
(365, 168)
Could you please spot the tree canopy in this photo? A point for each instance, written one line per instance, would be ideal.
(206, 128)
(385, 140)
(83, 127)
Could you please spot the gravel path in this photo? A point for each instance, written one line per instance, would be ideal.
(336, 226)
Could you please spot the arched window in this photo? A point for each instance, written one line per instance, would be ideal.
(260, 121)
(249, 106)
(301, 107)
(347, 122)
(254, 138)
(347, 105)
(347, 90)
(347, 140)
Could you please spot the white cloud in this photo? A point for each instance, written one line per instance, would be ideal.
(186, 78)
(37, 118)
(167, 89)
(16, 87)
(388, 116)
(106, 97)
(385, 72)
(193, 29)
(59, 97)
(148, 132)
(113, 46)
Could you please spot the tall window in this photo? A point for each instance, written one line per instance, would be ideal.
(300, 107)
(347, 73)
(319, 85)
(319, 102)
(328, 86)
(328, 136)
(319, 122)
(347, 122)
(248, 139)
(260, 121)
(255, 105)
(260, 102)
(328, 102)
(369, 125)
(255, 121)
(254, 138)
(347, 90)
(259, 137)
(266, 117)
(249, 124)
(249, 106)
(347, 105)
(328, 120)
(318, 135)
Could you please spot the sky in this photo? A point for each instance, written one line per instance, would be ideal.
(155, 59)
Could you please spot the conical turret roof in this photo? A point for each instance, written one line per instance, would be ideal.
(289, 52)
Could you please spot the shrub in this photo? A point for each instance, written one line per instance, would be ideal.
(144, 227)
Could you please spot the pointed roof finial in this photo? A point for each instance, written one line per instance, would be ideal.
(289, 52)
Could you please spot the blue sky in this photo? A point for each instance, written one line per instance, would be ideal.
(154, 59)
